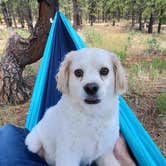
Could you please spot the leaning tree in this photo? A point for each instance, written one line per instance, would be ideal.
(20, 52)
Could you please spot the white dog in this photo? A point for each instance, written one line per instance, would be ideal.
(84, 125)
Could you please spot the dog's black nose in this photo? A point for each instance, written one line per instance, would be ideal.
(91, 88)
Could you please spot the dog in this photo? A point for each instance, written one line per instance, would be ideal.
(84, 125)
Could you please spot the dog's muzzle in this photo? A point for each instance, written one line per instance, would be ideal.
(91, 90)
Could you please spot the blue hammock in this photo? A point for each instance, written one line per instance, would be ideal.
(62, 39)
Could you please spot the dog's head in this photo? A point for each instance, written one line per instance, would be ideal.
(90, 75)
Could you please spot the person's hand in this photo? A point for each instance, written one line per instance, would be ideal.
(121, 153)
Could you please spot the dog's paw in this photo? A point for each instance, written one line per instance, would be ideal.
(32, 142)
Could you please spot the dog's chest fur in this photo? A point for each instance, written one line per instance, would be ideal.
(90, 139)
(85, 135)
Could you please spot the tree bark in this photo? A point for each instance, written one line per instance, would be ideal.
(6, 14)
(151, 21)
(21, 52)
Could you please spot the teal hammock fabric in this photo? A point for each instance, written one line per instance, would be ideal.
(62, 39)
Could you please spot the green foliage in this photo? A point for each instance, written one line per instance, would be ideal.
(92, 37)
(161, 103)
(34, 8)
(159, 64)
(153, 46)
(153, 69)
(164, 51)
(122, 54)
(23, 32)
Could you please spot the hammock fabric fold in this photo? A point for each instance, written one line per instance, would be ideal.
(62, 39)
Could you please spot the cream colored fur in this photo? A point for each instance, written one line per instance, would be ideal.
(73, 131)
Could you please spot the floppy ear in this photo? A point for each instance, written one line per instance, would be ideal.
(120, 82)
(62, 76)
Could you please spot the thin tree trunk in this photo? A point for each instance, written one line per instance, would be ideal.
(27, 14)
(10, 9)
(20, 17)
(92, 12)
(132, 19)
(21, 52)
(6, 15)
(132, 14)
(103, 16)
(98, 16)
(151, 21)
(76, 14)
(1, 20)
(140, 20)
(160, 20)
(118, 14)
(113, 22)
(14, 19)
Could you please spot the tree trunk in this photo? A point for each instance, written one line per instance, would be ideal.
(132, 19)
(98, 16)
(6, 14)
(132, 14)
(76, 14)
(140, 20)
(1, 22)
(21, 52)
(10, 9)
(20, 17)
(118, 14)
(113, 22)
(160, 20)
(103, 16)
(27, 14)
(151, 21)
(92, 12)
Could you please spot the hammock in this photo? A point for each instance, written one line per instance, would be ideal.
(62, 39)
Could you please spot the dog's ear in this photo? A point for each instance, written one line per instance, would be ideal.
(120, 82)
(63, 75)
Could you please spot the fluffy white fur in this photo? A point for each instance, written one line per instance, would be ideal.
(73, 131)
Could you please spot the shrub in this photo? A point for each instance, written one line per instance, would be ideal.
(92, 37)
(153, 46)
(161, 103)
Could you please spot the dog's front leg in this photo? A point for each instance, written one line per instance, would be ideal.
(108, 159)
(33, 141)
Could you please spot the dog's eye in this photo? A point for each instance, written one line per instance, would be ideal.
(104, 71)
(79, 73)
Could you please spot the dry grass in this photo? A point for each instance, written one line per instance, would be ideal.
(146, 82)
(119, 39)
(14, 114)
(4, 34)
